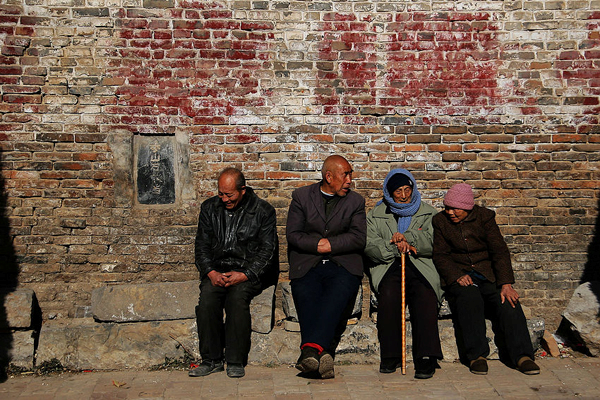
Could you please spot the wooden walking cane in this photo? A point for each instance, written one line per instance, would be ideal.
(403, 368)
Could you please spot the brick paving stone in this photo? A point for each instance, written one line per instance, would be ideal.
(293, 396)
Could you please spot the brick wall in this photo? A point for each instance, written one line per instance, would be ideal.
(501, 94)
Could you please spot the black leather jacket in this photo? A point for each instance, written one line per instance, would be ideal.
(244, 239)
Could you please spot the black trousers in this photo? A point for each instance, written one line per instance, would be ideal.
(423, 306)
(233, 335)
(324, 298)
(471, 304)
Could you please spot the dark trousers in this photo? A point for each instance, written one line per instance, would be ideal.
(423, 306)
(322, 298)
(234, 334)
(471, 304)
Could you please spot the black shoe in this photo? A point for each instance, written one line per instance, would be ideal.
(235, 370)
(326, 366)
(207, 367)
(425, 367)
(309, 360)
(479, 366)
(527, 366)
(389, 365)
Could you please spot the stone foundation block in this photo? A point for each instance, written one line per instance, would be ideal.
(145, 302)
(167, 301)
(262, 310)
(18, 304)
(85, 344)
(583, 313)
(20, 346)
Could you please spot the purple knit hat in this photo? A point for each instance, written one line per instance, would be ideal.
(460, 196)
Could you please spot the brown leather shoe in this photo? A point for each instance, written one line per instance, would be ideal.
(527, 366)
(479, 366)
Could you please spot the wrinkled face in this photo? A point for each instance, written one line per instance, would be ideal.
(403, 194)
(339, 180)
(228, 193)
(456, 215)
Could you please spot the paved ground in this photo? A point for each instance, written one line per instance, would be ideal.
(560, 378)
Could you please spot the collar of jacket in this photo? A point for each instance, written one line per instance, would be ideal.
(317, 198)
(472, 214)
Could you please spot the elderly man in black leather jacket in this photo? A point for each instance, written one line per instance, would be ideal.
(236, 255)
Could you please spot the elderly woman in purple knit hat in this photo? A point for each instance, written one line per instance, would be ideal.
(474, 263)
(401, 223)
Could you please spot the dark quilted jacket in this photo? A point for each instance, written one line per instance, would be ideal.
(473, 244)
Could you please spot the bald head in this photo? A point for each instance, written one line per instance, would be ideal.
(232, 187)
(337, 176)
(333, 163)
(236, 175)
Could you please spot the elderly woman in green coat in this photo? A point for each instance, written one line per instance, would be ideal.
(401, 223)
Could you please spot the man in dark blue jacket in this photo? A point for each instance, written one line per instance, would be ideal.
(326, 233)
(235, 254)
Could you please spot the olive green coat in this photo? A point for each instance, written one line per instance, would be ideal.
(381, 225)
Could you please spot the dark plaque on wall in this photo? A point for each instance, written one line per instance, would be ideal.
(155, 171)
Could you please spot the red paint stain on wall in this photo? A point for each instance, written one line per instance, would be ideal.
(579, 69)
(195, 63)
(347, 75)
(447, 60)
(426, 60)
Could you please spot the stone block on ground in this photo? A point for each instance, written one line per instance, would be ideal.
(85, 344)
(291, 326)
(549, 344)
(287, 302)
(145, 302)
(18, 305)
(359, 344)
(20, 348)
(261, 309)
(167, 301)
(278, 347)
(583, 311)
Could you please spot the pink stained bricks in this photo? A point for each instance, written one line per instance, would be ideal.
(212, 63)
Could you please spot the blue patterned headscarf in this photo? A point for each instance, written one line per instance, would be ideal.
(404, 211)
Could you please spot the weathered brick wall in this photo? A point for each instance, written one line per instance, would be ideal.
(501, 94)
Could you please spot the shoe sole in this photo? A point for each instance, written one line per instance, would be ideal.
(423, 375)
(479, 372)
(231, 375)
(535, 372)
(326, 367)
(309, 364)
(212, 371)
